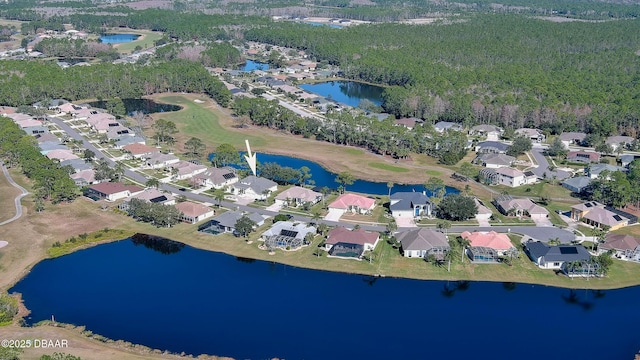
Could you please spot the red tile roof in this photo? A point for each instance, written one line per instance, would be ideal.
(192, 209)
(139, 149)
(109, 188)
(490, 239)
(345, 201)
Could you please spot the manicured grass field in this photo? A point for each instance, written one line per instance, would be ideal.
(433, 172)
(145, 41)
(387, 167)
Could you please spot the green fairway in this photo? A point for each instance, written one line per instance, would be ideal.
(145, 41)
(387, 167)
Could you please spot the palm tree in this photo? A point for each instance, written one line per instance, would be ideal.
(390, 186)
(444, 225)
(152, 183)
(463, 244)
(315, 216)
(218, 194)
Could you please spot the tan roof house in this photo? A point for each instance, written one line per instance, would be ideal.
(507, 205)
(297, 195)
(595, 214)
(187, 169)
(140, 151)
(112, 191)
(194, 212)
(626, 247)
(216, 178)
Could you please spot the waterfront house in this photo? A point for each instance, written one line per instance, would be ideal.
(194, 212)
(139, 151)
(226, 222)
(216, 178)
(509, 206)
(494, 147)
(577, 184)
(619, 141)
(494, 161)
(553, 257)
(353, 203)
(296, 196)
(493, 240)
(420, 243)
(257, 188)
(150, 195)
(572, 138)
(593, 213)
(410, 205)
(343, 242)
(586, 157)
(288, 235)
(534, 134)
(625, 247)
(112, 191)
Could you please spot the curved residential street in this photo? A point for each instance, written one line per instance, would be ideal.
(18, 198)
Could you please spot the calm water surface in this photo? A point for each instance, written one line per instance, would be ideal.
(346, 92)
(251, 65)
(118, 38)
(174, 297)
(323, 177)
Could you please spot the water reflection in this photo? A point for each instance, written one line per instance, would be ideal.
(158, 244)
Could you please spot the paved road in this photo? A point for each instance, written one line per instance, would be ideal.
(16, 201)
(540, 233)
(543, 166)
(291, 107)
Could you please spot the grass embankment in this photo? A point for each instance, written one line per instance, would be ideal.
(215, 126)
(83, 240)
(146, 40)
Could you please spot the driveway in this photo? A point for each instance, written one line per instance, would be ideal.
(543, 222)
(334, 215)
(275, 207)
(405, 221)
(543, 166)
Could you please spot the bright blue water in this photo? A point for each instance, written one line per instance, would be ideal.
(204, 302)
(323, 177)
(251, 65)
(346, 92)
(333, 26)
(118, 38)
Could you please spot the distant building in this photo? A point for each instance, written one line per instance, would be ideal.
(583, 156)
(572, 138)
(494, 147)
(534, 134)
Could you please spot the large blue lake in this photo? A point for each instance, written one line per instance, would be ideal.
(251, 65)
(183, 299)
(323, 177)
(118, 38)
(346, 92)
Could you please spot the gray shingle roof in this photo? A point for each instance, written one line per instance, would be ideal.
(493, 144)
(422, 239)
(406, 200)
(257, 184)
(230, 218)
(579, 182)
(561, 253)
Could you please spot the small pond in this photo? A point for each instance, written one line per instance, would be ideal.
(346, 92)
(251, 65)
(118, 38)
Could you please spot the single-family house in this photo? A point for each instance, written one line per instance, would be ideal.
(61, 155)
(422, 242)
(510, 177)
(139, 151)
(287, 235)
(46, 137)
(408, 123)
(509, 206)
(35, 130)
(594, 170)
(626, 159)
(617, 141)
(254, 187)
(186, 169)
(595, 214)
(160, 160)
(534, 134)
(28, 123)
(490, 132)
(496, 241)
(296, 196)
(343, 242)
(194, 212)
(494, 161)
(216, 178)
(410, 205)
(572, 138)
(77, 164)
(586, 157)
(112, 191)
(47, 146)
(577, 184)
(18, 117)
(114, 133)
(226, 222)
(84, 177)
(495, 147)
(149, 195)
(553, 257)
(442, 126)
(353, 203)
(128, 140)
(625, 247)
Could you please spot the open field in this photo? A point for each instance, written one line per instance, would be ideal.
(214, 126)
(146, 40)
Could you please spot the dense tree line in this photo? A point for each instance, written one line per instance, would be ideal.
(155, 213)
(380, 136)
(284, 174)
(68, 48)
(51, 182)
(503, 69)
(214, 54)
(26, 82)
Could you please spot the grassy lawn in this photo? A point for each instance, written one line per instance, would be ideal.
(542, 188)
(633, 230)
(145, 41)
(553, 207)
(433, 172)
(387, 167)
(354, 151)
